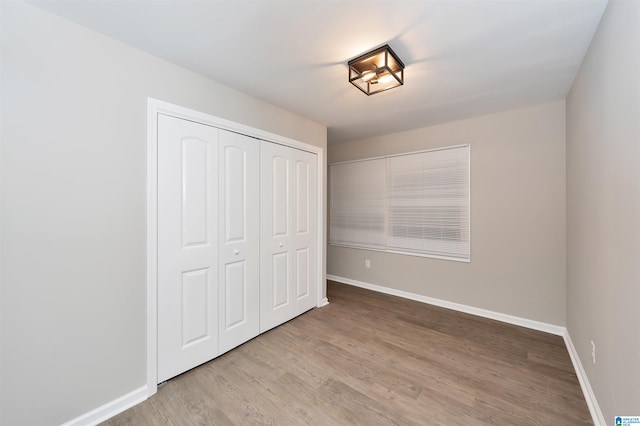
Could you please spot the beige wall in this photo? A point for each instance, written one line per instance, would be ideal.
(74, 207)
(603, 211)
(517, 216)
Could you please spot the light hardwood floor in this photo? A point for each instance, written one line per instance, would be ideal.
(373, 359)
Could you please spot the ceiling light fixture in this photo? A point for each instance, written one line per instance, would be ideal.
(376, 71)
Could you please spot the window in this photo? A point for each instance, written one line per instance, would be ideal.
(417, 203)
(358, 200)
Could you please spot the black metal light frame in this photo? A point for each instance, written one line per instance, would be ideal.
(391, 65)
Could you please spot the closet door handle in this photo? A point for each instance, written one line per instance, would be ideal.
(236, 252)
(281, 244)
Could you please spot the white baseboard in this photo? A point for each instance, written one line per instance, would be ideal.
(110, 409)
(510, 319)
(323, 302)
(589, 396)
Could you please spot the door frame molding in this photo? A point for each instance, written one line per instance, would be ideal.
(155, 107)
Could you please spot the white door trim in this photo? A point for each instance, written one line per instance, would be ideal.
(155, 107)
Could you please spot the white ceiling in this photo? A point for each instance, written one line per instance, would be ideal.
(463, 58)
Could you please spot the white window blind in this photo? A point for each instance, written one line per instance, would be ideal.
(428, 202)
(416, 203)
(357, 207)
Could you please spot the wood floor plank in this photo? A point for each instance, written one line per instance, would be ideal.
(373, 359)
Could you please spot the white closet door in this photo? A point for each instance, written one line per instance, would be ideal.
(187, 245)
(288, 233)
(304, 230)
(239, 314)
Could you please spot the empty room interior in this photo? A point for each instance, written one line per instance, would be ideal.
(320, 212)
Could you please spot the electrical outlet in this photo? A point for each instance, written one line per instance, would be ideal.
(593, 352)
(367, 263)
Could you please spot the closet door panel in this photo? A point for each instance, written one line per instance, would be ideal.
(239, 245)
(280, 206)
(280, 280)
(280, 233)
(303, 279)
(305, 230)
(276, 273)
(288, 233)
(187, 245)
